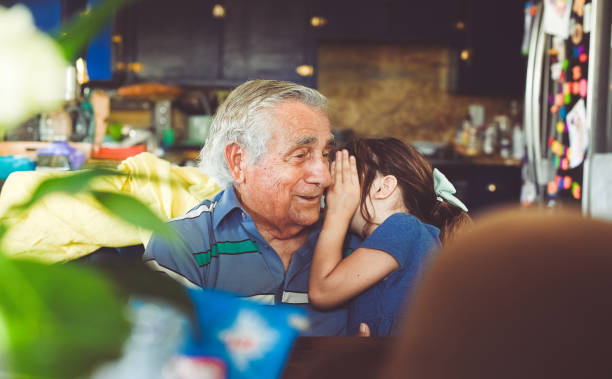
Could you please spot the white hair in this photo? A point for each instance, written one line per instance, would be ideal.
(243, 118)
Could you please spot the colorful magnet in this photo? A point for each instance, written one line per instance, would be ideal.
(554, 109)
(583, 88)
(575, 50)
(568, 153)
(560, 127)
(552, 188)
(567, 182)
(557, 148)
(559, 182)
(564, 164)
(563, 111)
(583, 57)
(577, 72)
(559, 99)
(567, 88)
(578, 7)
(562, 76)
(556, 161)
(565, 64)
(580, 50)
(576, 35)
(551, 97)
(576, 191)
(567, 99)
(551, 140)
(575, 88)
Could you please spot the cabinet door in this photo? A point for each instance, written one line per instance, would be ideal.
(267, 40)
(175, 42)
(492, 38)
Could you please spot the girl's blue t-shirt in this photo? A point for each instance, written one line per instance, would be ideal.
(410, 242)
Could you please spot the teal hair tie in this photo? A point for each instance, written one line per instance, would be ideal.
(445, 190)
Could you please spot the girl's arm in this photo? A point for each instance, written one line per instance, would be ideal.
(333, 280)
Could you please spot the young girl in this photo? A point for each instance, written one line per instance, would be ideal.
(402, 210)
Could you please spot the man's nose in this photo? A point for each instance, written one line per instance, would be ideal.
(319, 172)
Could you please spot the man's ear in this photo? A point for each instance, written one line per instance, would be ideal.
(236, 159)
(385, 186)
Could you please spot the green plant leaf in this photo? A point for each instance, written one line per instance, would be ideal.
(135, 212)
(77, 33)
(81, 321)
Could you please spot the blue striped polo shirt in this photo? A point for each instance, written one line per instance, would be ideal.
(220, 248)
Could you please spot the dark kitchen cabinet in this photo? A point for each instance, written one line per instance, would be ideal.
(387, 20)
(182, 43)
(490, 40)
(483, 186)
(170, 41)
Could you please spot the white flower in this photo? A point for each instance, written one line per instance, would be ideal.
(32, 68)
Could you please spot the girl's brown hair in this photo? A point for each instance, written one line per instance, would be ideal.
(390, 156)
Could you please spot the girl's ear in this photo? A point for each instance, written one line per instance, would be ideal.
(235, 158)
(385, 186)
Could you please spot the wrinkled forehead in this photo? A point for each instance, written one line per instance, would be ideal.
(297, 124)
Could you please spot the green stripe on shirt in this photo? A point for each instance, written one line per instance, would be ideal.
(240, 247)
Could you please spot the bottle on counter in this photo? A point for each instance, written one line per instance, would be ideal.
(462, 136)
(489, 145)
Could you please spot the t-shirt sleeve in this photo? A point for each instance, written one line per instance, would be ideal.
(176, 258)
(404, 237)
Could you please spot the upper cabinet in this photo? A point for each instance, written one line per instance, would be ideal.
(387, 20)
(184, 43)
(486, 49)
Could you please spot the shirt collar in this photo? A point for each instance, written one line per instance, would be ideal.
(226, 202)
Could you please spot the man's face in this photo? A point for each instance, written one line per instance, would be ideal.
(284, 188)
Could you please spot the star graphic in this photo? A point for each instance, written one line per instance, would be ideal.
(248, 339)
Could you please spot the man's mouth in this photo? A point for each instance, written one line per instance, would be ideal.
(310, 198)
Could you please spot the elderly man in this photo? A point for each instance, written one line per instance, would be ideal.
(268, 147)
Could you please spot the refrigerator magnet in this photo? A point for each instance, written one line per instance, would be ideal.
(578, 7)
(576, 72)
(567, 88)
(578, 133)
(583, 88)
(576, 191)
(560, 127)
(564, 164)
(557, 17)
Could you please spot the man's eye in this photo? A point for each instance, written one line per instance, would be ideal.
(300, 156)
(326, 155)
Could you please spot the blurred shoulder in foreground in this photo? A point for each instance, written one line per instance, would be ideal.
(521, 294)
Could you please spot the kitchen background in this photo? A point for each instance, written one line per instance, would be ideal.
(434, 73)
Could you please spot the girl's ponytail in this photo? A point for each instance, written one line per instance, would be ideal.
(449, 213)
(448, 218)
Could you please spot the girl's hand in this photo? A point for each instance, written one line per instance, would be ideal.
(344, 194)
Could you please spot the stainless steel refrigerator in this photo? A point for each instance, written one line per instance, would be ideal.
(568, 104)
